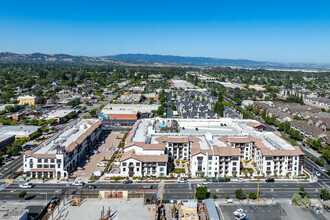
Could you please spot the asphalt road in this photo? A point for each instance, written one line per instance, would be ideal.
(323, 178)
(171, 191)
(266, 190)
(8, 169)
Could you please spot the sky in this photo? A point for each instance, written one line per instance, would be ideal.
(268, 30)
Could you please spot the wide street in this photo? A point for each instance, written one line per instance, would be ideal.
(8, 169)
(172, 191)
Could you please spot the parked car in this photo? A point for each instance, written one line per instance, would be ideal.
(78, 183)
(182, 181)
(317, 173)
(147, 186)
(202, 185)
(26, 186)
(80, 168)
(101, 164)
(322, 169)
(97, 173)
(270, 180)
(316, 209)
(91, 187)
(326, 208)
(86, 161)
(239, 180)
(127, 181)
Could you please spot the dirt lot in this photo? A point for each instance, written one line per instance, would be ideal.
(111, 142)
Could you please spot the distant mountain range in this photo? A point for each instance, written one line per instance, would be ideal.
(207, 61)
(198, 61)
(148, 59)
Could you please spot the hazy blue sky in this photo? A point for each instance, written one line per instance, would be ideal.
(283, 31)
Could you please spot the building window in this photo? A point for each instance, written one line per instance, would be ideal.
(46, 166)
(137, 169)
(161, 169)
(52, 166)
(234, 168)
(234, 163)
(137, 164)
(45, 160)
(268, 163)
(210, 168)
(39, 160)
(124, 164)
(124, 169)
(31, 165)
(268, 168)
(58, 165)
(210, 158)
(52, 160)
(210, 162)
(59, 160)
(39, 166)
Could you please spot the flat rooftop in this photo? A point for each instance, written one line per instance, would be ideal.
(128, 108)
(66, 137)
(181, 83)
(58, 113)
(208, 131)
(121, 209)
(14, 213)
(20, 131)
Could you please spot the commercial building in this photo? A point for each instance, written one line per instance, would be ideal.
(30, 100)
(18, 131)
(57, 114)
(6, 140)
(13, 213)
(59, 155)
(127, 111)
(215, 148)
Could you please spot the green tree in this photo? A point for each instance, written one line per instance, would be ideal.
(93, 112)
(252, 195)
(325, 194)
(201, 193)
(52, 121)
(22, 194)
(306, 201)
(239, 194)
(74, 102)
(296, 199)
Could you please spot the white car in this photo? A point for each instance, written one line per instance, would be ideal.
(182, 181)
(239, 180)
(101, 164)
(202, 185)
(26, 186)
(322, 169)
(318, 174)
(78, 183)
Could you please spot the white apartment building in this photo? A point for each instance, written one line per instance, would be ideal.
(59, 155)
(215, 148)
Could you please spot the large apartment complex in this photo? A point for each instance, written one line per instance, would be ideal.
(214, 147)
(59, 155)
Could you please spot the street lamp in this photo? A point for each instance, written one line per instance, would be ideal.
(46, 197)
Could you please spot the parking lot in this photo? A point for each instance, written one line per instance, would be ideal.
(105, 152)
(275, 211)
